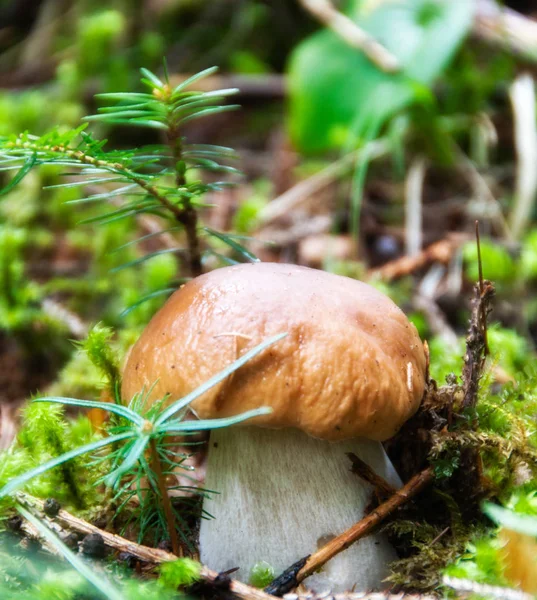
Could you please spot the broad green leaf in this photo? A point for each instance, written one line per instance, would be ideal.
(336, 91)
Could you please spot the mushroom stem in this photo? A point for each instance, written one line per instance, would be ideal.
(283, 494)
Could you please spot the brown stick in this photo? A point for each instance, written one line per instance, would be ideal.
(353, 35)
(144, 553)
(474, 357)
(155, 556)
(506, 28)
(366, 525)
(296, 573)
(441, 251)
(363, 470)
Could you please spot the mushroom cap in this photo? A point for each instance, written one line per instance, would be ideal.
(352, 365)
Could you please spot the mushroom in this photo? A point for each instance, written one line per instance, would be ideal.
(349, 373)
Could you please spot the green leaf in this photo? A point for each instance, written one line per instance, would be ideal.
(208, 424)
(98, 580)
(183, 402)
(233, 244)
(335, 90)
(19, 481)
(122, 411)
(24, 170)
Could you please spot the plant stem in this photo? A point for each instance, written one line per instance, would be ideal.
(188, 217)
(166, 503)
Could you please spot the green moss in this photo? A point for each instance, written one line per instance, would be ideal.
(179, 573)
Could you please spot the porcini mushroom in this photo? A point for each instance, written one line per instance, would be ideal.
(349, 373)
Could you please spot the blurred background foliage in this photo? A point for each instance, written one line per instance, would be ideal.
(345, 166)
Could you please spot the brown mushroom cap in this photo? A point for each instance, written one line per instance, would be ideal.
(351, 365)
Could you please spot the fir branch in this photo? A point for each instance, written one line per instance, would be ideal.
(82, 158)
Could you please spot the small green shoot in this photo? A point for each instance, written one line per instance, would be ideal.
(145, 429)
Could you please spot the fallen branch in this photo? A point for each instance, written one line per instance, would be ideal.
(506, 28)
(363, 596)
(65, 520)
(441, 251)
(352, 34)
(295, 574)
(304, 190)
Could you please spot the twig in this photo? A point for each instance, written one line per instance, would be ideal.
(522, 95)
(481, 290)
(483, 193)
(436, 319)
(306, 189)
(413, 206)
(363, 470)
(506, 28)
(441, 251)
(353, 35)
(482, 589)
(154, 556)
(71, 320)
(474, 357)
(288, 580)
(302, 229)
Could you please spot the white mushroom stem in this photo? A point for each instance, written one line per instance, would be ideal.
(282, 495)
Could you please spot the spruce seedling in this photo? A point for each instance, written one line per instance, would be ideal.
(160, 179)
(142, 431)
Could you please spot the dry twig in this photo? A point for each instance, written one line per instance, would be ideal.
(363, 470)
(506, 28)
(296, 573)
(441, 251)
(353, 35)
(306, 189)
(476, 341)
(66, 521)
